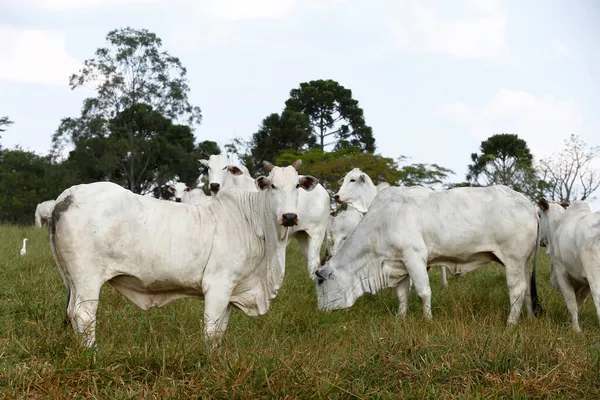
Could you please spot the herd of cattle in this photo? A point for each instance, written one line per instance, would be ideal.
(229, 248)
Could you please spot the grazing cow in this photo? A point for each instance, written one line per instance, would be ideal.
(572, 238)
(43, 213)
(184, 194)
(313, 207)
(405, 231)
(358, 190)
(222, 174)
(229, 251)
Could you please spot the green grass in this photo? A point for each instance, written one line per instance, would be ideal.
(294, 351)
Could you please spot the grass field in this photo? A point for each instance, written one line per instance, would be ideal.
(294, 351)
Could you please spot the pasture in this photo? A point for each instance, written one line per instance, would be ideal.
(294, 351)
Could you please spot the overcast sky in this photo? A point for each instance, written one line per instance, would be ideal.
(434, 78)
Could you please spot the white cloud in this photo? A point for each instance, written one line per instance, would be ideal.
(560, 49)
(35, 56)
(421, 27)
(543, 122)
(83, 4)
(235, 10)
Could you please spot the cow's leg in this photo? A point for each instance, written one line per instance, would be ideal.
(82, 308)
(444, 278)
(517, 284)
(216, 315)
(417, 270)
(570, 298)
(310, 245)
(402, 292)
(581, 293)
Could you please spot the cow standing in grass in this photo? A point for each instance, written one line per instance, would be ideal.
(313, 206)
(572, 238)
(405, 231)
(358, 191)
(229, 251)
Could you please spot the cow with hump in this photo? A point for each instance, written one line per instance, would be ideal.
(229, 251)
(358, 191)
(406, 230)
(571, 233)
(313, 206)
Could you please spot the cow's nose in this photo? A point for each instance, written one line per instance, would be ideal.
(178, 200)
(336, 197)
(289, 219)
(215, 187)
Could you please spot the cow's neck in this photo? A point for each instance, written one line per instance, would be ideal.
(365, 199)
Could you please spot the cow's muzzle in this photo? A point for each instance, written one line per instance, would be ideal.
(289, 219)
(214, 187)
(178, 200)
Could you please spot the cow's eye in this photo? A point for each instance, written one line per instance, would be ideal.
(298, 186)
(273, 186)
(352, 180)
(224, 168)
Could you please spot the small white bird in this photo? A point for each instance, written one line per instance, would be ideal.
(24, 248)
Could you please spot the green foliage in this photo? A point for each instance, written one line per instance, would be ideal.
(333, 114)
(26, 180)
(330, 167)
(125, 133)
(505, 159)
(4, 121)
(295, 350)
(288, 131)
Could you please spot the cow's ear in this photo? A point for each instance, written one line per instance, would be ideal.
(340, 182)
(171, 189)
(308, 182)
(543, 204)
(187, 189)
(362, 178)
(262, 182)
(564, 204)
(235, 170)
(204, 162)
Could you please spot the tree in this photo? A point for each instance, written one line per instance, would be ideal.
(505, 159)
(4, 121)
(126, 132)
(330, 167)
(570, 173)
(332, 113)
(289, 131)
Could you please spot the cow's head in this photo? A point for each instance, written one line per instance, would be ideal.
(550, 213)
(283, 185)
(178, 190)
(357, 189)
(219, 170)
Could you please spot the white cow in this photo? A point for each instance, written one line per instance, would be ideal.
(572, 237)
(229, 251)
(358, 190)
(405, 231)
(43, 212)
(184, 194)
(313, 206)
(222, 174)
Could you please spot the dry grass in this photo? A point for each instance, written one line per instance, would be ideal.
(295, 351)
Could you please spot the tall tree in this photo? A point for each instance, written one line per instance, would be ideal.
(139, 90)
(505, 159)
(4, 121)
(570, 173)
(334, 116)
(289, 131)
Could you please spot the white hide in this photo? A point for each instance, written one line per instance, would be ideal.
(573, 244)
(358, 191)
(229, 251)
(405, 231)
(221, 173)
(313, 206)
(43, 213)
(184, 194)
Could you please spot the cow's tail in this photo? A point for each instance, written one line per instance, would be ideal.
(535, 303)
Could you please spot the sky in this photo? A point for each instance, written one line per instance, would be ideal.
(434, 78)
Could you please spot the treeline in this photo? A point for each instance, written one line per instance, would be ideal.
(127, 133)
